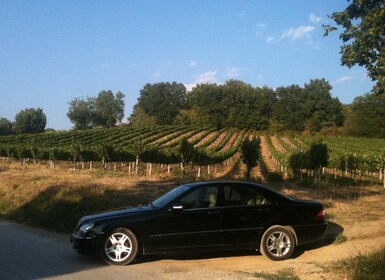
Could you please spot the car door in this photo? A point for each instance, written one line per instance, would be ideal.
(244, 213)
(194, 222)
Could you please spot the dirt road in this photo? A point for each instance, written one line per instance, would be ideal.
(29, 253)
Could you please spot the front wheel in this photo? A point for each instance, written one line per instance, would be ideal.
(120, 247)
(277, 243)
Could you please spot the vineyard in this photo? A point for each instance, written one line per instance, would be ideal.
(128, 147)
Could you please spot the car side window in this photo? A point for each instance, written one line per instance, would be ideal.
(241, 196)
(200, 198)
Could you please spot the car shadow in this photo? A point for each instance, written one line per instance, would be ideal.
(196, 255)
(329, 238)
(331, 235)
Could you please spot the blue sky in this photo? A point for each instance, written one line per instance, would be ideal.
(54, 51)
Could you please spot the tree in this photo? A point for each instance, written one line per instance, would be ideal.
(186, 152)
(250, 153)
(105, 110)
(109, 109)
(366, 116)
(104, 152)
(140, 118)
(299, 161)
(5, 126)
(318, 158)
(208, 100)
(30, 121)
(162, 101)
(363, 37)
(247, 107)
(81, 112)
(321, 109)
(288, 112)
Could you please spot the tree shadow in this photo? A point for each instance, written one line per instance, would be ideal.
(60, 206)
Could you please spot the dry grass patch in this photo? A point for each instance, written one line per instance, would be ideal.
(57, 199)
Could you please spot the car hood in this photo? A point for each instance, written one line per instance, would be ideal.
(126, 211)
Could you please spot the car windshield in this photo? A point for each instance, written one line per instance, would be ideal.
(170, 196)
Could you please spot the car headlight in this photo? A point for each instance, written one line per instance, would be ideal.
(84, 228)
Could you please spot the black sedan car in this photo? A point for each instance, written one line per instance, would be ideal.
(206, 215)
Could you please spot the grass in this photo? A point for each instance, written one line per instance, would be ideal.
(285, 274)
(55, 200)
(363, 266)
(340, 238)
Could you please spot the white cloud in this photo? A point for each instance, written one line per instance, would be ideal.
(270, 39)
(343, 79)
(297, 33)
(234, 72)
(189, 87)
(209, 77)
(314, 19)
(260, 28)
(260, 25)
(193, 63)
(158, 74)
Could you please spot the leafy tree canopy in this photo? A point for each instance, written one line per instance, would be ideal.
(162, 101)
(109, 109)
(5, 126)
(81, 112)
(105, 110)
(250, 153)
(238, 104)
(30, 121)
(366, 116)
(363, 37)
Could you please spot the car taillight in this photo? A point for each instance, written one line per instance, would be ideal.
(320, 216)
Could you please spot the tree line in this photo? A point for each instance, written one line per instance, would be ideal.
(232, 104)
(238, 104)
(106, 110)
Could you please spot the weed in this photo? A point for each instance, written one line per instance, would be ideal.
(364, 266)
(285, 274)
(340, 238)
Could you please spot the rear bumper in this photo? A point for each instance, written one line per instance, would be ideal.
(310, 233)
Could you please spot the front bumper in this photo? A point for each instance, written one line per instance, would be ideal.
(85, 246)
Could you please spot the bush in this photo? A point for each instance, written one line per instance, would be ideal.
(275, 177)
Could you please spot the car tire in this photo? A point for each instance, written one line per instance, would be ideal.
(277, 243)
(120, 247)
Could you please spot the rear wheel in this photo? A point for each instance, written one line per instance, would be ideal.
(277, 243)
(120, 247)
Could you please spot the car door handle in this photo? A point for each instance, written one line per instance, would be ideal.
(213, 212)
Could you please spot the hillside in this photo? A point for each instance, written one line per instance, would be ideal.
(146, 151)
